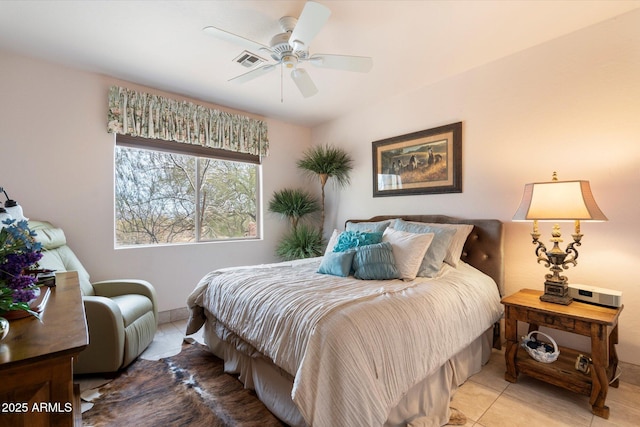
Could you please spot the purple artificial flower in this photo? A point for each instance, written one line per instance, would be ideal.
(15, 263)
(21, 282)
(18, 253)
(23, 295)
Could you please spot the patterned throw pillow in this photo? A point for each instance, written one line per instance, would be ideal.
(353, 239)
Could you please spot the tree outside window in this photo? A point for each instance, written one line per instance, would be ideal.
(166, 197)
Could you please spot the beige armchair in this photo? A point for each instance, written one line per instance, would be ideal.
(122, 315)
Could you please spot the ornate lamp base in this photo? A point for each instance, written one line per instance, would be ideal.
(557, 293)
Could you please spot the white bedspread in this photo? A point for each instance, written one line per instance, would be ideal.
(354, 347)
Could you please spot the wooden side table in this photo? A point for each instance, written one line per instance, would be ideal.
(598, 323)
(36, 361)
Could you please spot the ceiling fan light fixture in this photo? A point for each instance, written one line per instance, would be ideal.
(290, 61)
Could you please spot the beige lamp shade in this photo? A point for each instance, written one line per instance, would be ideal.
(558, 201)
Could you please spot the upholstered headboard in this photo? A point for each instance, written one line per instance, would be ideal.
(483, 248)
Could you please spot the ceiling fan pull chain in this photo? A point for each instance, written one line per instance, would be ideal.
(281, 84)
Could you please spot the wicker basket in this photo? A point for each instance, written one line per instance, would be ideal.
(540, 351)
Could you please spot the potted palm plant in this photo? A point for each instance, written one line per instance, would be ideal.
(325, 162)
(302, 241)
(293, 204)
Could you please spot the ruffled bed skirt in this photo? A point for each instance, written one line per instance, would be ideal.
(429, 398)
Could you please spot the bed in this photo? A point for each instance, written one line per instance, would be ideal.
(325, 350)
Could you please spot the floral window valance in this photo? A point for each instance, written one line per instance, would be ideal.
(155, 117)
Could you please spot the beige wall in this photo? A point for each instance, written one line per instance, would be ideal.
(56, 160)
(571, 105)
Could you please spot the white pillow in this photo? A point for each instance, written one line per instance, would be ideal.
(457, 243)
(408, 250)
(332, 241)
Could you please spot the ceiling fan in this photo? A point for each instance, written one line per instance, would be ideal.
(291, 49)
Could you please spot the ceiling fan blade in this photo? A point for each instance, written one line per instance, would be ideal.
(243, 78)
(311, 20)
(305, 85)
(234, 38)
(361, 64)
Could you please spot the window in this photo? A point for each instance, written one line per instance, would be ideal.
(178, 193)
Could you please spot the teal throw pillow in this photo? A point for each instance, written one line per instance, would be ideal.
(353, 239)
(375, 262)
(337, 263)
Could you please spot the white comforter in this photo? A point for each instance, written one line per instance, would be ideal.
(354, 347)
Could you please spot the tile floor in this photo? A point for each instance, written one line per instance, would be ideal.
(489, 401)
(486, 398)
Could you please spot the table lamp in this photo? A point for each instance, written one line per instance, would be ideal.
(557, 201)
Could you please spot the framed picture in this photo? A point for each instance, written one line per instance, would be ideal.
(425, 162)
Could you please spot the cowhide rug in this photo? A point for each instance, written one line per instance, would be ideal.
(189, 389)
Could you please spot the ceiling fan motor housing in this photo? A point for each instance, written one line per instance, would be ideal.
(288, 23)
(282, 50)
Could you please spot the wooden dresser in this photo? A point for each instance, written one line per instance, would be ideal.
(36, 361)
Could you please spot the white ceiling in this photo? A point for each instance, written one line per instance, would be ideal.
(413, 44)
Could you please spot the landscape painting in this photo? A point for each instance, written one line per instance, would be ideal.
(425, 162)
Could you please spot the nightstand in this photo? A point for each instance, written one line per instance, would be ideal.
(597, 322)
